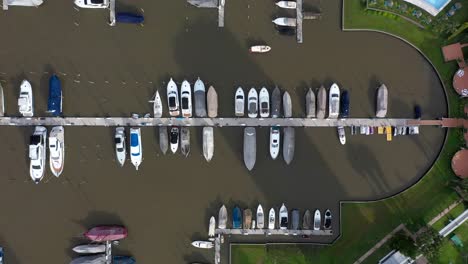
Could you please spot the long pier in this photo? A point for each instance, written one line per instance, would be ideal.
(274, 232)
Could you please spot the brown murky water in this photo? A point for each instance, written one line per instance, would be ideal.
(114, 71)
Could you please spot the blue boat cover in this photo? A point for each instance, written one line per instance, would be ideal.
(236, 218)
(54, 103)
(123, 260)
(134, 140)
(129, 18)
(344, 109)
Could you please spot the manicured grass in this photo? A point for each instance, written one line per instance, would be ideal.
(248, 254)
(449, 253)
(450, 216)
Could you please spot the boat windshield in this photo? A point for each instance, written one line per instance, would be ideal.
(174, 137)
(36, 167)
(35, 140)
(284, 221)
(185, 103)
(120, 149)
(264, 106)
(118, 140)
(240, 97)
(334, 95)
(134, 140)
(253, 107)
(172, 101)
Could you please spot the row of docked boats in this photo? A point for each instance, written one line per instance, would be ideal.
(26, 99)
(262, 104)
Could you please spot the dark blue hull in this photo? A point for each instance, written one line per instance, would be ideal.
(123, 260)
(54, 103)
(236, 218)
(344, 108)
(129, 18)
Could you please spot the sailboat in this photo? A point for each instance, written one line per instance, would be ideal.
(157, 105)
(321, 102)
(287, 105)
(90, 248)
(310, 104)
(306, 220)
(54, 103)
(173, 98)
(276, 102)
(136, 148)
(212, 227)
(25, 99)
(120, 146)
(382, 101)
(212, 99)
(186, 99)
(208, 143)
(250, 147)
(260, 217)
(163, 140)
(289, 144)
(57, 150)
(271, 219)
(247, 219)
(90, 259)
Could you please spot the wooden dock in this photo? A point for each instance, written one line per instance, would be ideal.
(274, 232)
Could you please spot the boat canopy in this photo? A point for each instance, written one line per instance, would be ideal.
(54, 103)
(130, 18)
(134, 140)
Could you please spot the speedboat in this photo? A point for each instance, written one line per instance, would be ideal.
(37, 153)
(382, 101)
(90, 248)
(250, 147)
(90, 259)
(136, 148)
(295, 219)
(260, 49)
(252, 103)
(54, 102)
(287, 4)
(120, 146)
(289, 144)
(306, 220)
(275, 137)
(334, 101)
(163, 141)
(271, 219)
(208, 143)
(285, 21)
(236, 218)
(174, 139)
(247, 219)
(341, 135)
(173, 98)
(264, 100)
(283, 215)
(203, 244)
(186, 99)
(212, 99)
(276, 102)
(106, 233)
(287, 105)
(317, 220)
(344, 109)
(185, 141)
(2, 102)
(328, 219)
(239, 102)
(200, 98)
(260, 217)
(321, 102)
(222, 217)
(157, 105)
(92, 3)
(57, 150)
(310, 104)
(212, 227)
(25, 99)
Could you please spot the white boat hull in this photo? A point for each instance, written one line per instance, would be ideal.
(157, 105)
(212, 227)
(317, 220)
(260, 217)
(342, 135)
(287, 4)
(252, 103)
(334, 101)
(283, 217)
(120, 145)
(275, 141)
(174, 139)
(90, 249)
(57, 150)
(264, 101)
(37, 154)
(25, 99)
(208, 143)
(239, 102)
(271, 219)
(203, 244)
(260, 49)
(136, 149)
(285, 21)
(173, 98)
(186, 99)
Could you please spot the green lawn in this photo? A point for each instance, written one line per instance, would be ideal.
(449, 253)
(450, 216)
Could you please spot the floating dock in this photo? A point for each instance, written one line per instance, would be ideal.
(274, 232)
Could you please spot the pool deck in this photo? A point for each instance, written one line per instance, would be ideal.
(428, 7)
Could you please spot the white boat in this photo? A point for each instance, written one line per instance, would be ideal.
(25, 99)
(362, 130)
(283, 217)
(199, 95)
(275, 137)
(264, 101)
(2, 102)
(174, 139)
(287, 4)
(327, 222)
(185, 141)
(202, 244)
(382, 101)
(186, 99)
(92, 3)
(222, 217)
(136, 148)
(120, 146)
(310, 104)
(321, 102)
(212, 227)
(334, 101)
(271, 219)
(287, 105)
(250, 147)
(317, 220)
(157, 105)
(239, 102)
(57, 150)
(90, 259)
(90, 248)
(208, 143)
(285, 21)
(173, 98)
(260, 49)
(212, 99)
(37, 153)
(252, 103)
(342, 135)
(260, 217)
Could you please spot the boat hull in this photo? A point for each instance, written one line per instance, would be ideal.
(275, 142)
(252, 103)
(287, 105)
(136, 148)
(106, 233)
(239, 102)
(157, 105)
(90, 249)
(264, 101)
(321, 102)
(250, 147)
(276, 103)
(200, 98)
(173, 98)
(54, 102)
(2, 102)
(222, 217)
(289, 144)
(186, 99)
(93, 259)
(208, 143)
(57, 150)
(310, 104)
(120, 145)
(260, 49)
(271, 219)
(283, 217)
(334, 101)
(382, 101)
(174, 139)
(212, 98)
(260, 217)
(185, 141)
(25, 100)
(163, 139)
(317, 220)
(37, 154)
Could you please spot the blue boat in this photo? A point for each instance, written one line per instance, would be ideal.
(1, 255)
(130, 18)
(54, 103)
(123, 260)
(237, 218)
(344, 108)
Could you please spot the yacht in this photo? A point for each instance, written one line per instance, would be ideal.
(283, 217)
(287, 4)
(185, 141)
(285, 21)
(252, 103)
(317, 220)
(342, 135)
(275, 137)
(37, 153)
(260, 49)
(200, 98)
(260, 217)
(57, 150)
(203, 244)
(328, 219)
(334, 101)
(264, 101)
(239, 102)
(173, 98)
(208, 143)
(25, 100)
(120, 146)
(186, 99)
(174, 139)
(136, 149)
(271, 219)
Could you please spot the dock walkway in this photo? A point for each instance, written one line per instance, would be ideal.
(274, 232)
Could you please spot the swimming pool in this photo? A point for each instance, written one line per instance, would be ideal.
(433, 7)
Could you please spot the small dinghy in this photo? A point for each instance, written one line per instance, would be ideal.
(174, 139)
(208, 143)
(283, 215)
(129, 18)
(212, 227)
(120, 147)
(136, 148)
(260, 217)
(321, 102)
(250, 147)
(186, 99)
(173, 98)
(276, 103)
(106, 233)
(92, 259)
(54, 102)
(260, 49)
(382, 101)
(90, 249)
(310, 104)
(317, 220)
(37, 153)
(285, 22)
(123, 260)
(271, 219)
(287, 105)
(200, 98)
(25, 99)
(157, 105)
(344, 108)
(264, 100)
(203, 244)
(236, 218)
(341, 135)
(275, 137)
(2, 102)
(287, 4)
(247, 219)
(295, 219)
(212, 98)
(288, 144)
(327, 223)
(222, 217)
(57, 150)
(306, 220)
(185, 141)
(252, 103)
(163, 140)
(239, 102)
(334, 101)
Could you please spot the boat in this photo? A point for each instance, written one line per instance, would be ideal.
(106, 233)
(341, 135)
(252, 103)
(212, 227)
(57, 150)
(136, 148)
(186, 99)
(275, 138)
(203, 244)
(327, 223)
(264, 101)
(2, 254)
(222, 217)
(382, 101)
(91, 259)
(236, 218)
(239, 102)
(403, 130)
(334, 101)
(2, 102)
(371, 130)
(123, 260)
(321, 102)
(310, 104)
(317, 220)
(306, 220)
(295, 219)
(54, 102)
(283, 217)
(367, 130)
(89, 4)
(247, 219)
(271, 219)
(174, 139)
(344, 108)
(120, 147)
(25, 99)
(173, 98)
(260, 217)
(163, 140)
(285, 21)
(362, 130)
(353, 130)
(200, 98)
(417, 112)
(388, 130)
(260, 49)
(288, 144)
(37, 153)
(130, 18)
(276, 103)
(250, 147)
(208, 143)
(157, 105)
(413, 130)
(287, 4)
(253, 224)
(90, 248)
(212, 99)
(185, 141)
(287, 105)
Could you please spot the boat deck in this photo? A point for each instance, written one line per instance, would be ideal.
(275, 232)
